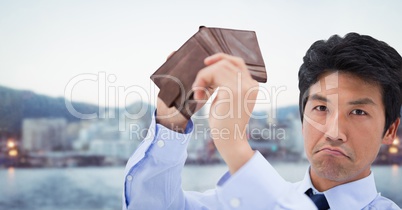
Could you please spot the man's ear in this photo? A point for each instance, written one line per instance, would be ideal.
(391, 132)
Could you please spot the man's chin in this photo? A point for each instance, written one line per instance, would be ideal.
(330, 169)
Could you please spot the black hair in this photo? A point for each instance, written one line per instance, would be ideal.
(360, 55)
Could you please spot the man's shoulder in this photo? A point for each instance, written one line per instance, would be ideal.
(381, 202)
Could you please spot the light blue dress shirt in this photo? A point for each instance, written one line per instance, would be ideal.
(153, 181)
(360, 194)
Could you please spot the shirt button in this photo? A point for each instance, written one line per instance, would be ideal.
(235, 202)
(160, 143)
(129, 177)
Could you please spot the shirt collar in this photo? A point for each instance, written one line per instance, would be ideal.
(352, 195)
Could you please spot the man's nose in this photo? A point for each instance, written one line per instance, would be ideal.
(335, 129)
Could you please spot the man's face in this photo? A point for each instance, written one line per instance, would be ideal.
(343, 127)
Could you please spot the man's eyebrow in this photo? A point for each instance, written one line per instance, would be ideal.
(362, 101)
(317, 97)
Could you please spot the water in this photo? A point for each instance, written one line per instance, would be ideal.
(101, 188)
(64, 189)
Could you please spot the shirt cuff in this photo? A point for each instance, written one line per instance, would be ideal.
(169, 145)
(164, 141)
(254, 182)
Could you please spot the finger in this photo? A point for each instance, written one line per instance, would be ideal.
(233, 63)
(202, 89)
(216, 75)
(237, 61)
(202, 94)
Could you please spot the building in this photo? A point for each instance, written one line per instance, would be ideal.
(44, 134)
(120, 149)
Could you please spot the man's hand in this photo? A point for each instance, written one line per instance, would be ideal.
(172, 118)
(231, 109)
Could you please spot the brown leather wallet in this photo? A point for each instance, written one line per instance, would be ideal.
(176, 76)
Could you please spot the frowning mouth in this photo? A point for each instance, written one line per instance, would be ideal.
(332, 151)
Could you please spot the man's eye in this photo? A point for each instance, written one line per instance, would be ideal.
(321, 108)
(359, 112)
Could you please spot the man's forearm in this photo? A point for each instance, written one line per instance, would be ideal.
(234, 152)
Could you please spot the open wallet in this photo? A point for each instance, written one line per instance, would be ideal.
(176, 76)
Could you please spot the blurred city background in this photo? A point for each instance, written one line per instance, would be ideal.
(96, 55)
(39, 131)
(42, 143)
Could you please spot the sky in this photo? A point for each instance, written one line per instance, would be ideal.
(103, 52)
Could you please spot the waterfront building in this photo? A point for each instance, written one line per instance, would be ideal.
(44, 134)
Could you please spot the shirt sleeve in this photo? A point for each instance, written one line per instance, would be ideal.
(153, 179)
(153, 172)
(257, 185)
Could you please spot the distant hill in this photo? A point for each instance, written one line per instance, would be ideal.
(15, 105)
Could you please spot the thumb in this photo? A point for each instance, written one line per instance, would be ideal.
(199, 89)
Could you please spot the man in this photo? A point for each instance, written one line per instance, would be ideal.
(350, 100)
